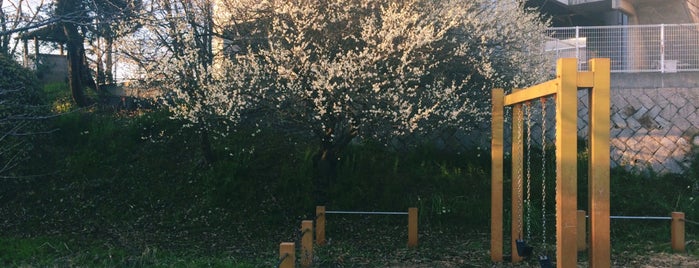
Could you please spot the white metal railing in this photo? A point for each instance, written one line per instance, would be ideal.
(665, 48)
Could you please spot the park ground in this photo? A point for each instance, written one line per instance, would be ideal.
(129, 189)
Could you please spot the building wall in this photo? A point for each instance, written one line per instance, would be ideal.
(52, 68)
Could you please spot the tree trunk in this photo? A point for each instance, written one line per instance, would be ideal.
(109, 62)
(76, 51)
(99, 53)
(88, 80)
(325, 163)
(324, 174)
(206, 149)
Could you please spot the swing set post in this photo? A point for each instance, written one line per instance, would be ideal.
(497, 156)
(566, 162)
(564, 89)
(517, 179)
(599, 163)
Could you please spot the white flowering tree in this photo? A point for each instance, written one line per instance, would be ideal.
(340, 69)
(173, 52)
(379, 69)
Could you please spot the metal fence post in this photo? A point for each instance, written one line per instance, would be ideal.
(662, 48)
(577, 46)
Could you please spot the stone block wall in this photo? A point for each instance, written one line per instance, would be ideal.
(651, 127)
(654, 123)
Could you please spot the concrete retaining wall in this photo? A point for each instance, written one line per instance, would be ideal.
(654, 120)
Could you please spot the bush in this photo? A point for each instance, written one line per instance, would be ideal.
(21, 114)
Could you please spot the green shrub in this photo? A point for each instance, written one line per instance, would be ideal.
(58, 95)
(21, 115)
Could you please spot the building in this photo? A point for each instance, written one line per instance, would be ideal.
(566, 13)
(653, 46)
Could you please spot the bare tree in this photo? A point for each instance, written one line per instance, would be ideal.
(17, 16)
(174, 48)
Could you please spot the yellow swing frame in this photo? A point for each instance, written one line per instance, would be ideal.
(565, 89)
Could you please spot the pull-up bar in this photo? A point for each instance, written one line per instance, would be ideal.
(365, 212)
(677, 230)
(320, 222)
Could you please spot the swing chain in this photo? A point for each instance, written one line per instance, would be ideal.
(520, 140)
(543, 170)
(529, 170)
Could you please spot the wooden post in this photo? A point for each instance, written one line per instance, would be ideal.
(566, 162)
(677, 232)
(320, 225)
(564, 88)
(497, 149)
(582, 230)
(517, 179)
(36, 53)
(306, 243)
(287, 254)
(412, 227)
(26, 53)
(599, 164)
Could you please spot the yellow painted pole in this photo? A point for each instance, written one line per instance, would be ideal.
(287, 255)
(412, 227)
(599, 164)
(517, 179)
(496, 155)
(306, 243)
(677, 232)
(320, 225)
(582, 231)
(566, 162)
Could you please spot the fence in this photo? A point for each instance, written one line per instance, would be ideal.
(665, 48)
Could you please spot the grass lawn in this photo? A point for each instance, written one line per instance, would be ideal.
(132, 192)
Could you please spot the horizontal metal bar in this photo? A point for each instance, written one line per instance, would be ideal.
(627, 26)
(637, 217)
(640, 218)
(365, 212)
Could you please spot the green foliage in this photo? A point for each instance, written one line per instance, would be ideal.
(21, 112)
(59, 97)
(131, 191)
(442, 185)
(55, 252)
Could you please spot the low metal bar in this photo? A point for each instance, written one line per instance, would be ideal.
(365, 212)
(640, 218)
(636, 217)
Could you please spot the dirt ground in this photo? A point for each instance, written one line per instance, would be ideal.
(662, 260)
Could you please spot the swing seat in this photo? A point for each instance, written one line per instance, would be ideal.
(524, 250)
(545, 262)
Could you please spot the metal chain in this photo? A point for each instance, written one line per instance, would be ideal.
(520, 139)
(543, 170)
(529, 171)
